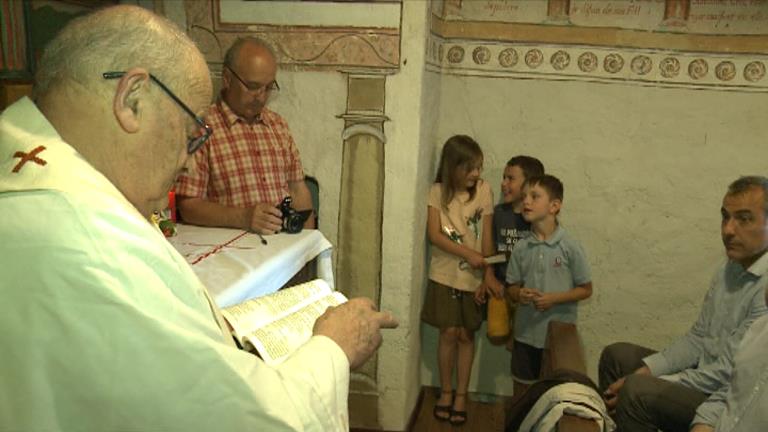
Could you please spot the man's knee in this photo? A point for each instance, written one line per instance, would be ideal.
(636, 389)
(619, 352)
(610, 367)
(635, 410)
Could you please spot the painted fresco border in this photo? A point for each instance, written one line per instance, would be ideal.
(665, 68)
(553, 33)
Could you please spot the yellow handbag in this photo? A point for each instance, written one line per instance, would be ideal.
(498, 318)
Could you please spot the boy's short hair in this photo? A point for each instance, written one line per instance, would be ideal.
(530, 166)
(549, 183)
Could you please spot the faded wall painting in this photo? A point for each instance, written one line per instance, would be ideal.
(306, 35)
(719, 44)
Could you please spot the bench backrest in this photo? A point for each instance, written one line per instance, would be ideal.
(563, 351)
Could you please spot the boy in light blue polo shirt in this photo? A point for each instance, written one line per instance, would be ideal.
(547, 272)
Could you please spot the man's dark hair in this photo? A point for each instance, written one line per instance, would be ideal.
(745, 183)
(530, 166)
(549, 183)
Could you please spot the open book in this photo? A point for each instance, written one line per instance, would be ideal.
(277, 324)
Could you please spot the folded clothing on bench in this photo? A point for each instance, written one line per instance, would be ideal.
(547, 400)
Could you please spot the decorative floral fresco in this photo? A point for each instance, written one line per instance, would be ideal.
(691, 43)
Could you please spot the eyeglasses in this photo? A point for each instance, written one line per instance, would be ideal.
(253, 87)
(205, 130)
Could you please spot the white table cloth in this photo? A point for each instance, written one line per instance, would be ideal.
(235, 266)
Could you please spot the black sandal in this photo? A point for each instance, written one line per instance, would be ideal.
(458, 418)
(443, 409)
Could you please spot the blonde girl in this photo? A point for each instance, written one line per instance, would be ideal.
(459, 230)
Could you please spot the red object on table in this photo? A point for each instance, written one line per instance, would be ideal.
(172, 204)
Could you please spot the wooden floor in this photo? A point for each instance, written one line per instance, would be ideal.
(485, 417)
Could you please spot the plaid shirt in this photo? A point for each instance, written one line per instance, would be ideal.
(241, 164)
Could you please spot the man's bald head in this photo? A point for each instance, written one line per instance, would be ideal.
(252, 44)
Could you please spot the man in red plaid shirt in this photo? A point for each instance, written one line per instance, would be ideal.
(251, 162)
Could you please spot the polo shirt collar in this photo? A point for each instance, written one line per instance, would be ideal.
(231, 117)
(759, 267)
(552, 240)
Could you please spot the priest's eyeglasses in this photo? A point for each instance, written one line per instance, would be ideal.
(204, 131)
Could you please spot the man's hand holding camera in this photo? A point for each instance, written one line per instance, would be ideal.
(264, 219)
(292, 220)
(267, 219)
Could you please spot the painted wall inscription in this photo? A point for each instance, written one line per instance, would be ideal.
(716, 17)
(629, 14)
(515, 11)
(728, 16)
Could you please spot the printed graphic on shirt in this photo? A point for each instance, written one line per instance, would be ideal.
(453, 235)
(474, 222)
(508, 238)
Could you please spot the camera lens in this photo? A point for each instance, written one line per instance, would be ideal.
(293, 223)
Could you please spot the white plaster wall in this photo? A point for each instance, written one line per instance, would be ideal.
(644, 171)
(412, 104)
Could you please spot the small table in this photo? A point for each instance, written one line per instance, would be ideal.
(235, 266)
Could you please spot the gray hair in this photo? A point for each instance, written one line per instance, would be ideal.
(234, 50)
(117, 39)
(743, 184)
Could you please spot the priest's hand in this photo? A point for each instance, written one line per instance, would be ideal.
(355, 327)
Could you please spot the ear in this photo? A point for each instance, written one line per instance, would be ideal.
(131, 88)
(226, 78)
(554, 206)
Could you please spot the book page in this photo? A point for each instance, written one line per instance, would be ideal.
(252, 314)
(277, 340)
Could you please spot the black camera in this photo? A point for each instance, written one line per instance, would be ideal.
(293, 220)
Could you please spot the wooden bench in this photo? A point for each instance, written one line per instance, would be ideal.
(563, 351)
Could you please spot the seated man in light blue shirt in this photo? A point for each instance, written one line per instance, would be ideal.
(662, 390)
(741, 406)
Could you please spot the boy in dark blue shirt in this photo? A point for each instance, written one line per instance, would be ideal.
(508, 223)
